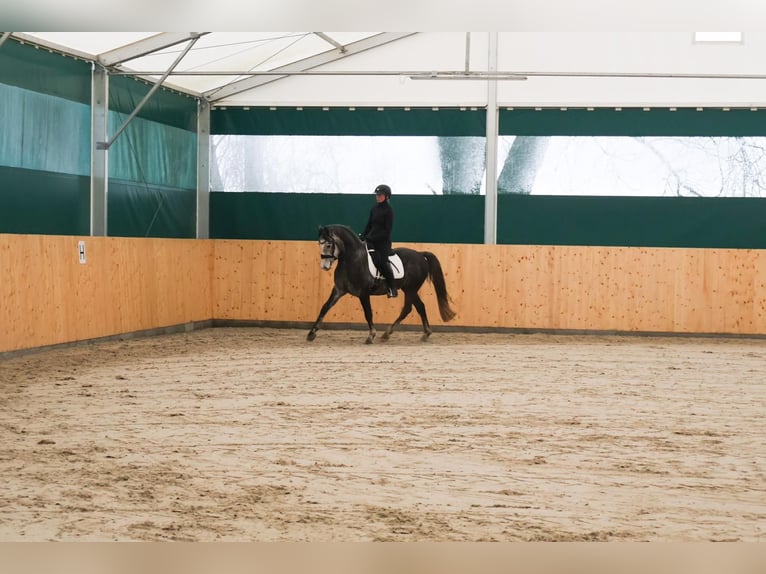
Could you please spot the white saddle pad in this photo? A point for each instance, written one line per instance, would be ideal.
(396, 266)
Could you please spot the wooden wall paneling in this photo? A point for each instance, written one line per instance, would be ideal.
(11, 291)
(758, 309)
(714, 303)
(525, 301)
(279, 267)
(181, 280)
(17, 292)
(307, 287)
(612, 289)
(134, 298)
(467, 282)
(126, 284)
(93, 306)
(265, 280)
(227, 267)
(691, 293)
(453, 265)
(739, 270)
(254, 288)
(569, 264)
(640, 289)
(87, 311)
(131, 284)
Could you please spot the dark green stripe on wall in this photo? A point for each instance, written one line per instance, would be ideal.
(139, 210)
(732, 222)
(362, 121)
(42, 71)
(296, 216)
(632, 122)
(472, 122)
(165, 107)
(522, 219)
(59, 204)
(44, 202)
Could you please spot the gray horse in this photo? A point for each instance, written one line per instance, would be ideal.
(352, 275)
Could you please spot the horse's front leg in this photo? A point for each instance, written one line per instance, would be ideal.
(365, 299)
(335, 295)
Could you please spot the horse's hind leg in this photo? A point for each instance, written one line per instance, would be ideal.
(421, 309)
(405, 311)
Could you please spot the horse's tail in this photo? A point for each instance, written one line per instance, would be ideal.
(436, 275)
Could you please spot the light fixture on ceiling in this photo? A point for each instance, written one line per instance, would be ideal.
(718, 37)
(466, 76)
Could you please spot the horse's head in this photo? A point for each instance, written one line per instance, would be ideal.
(329, 248)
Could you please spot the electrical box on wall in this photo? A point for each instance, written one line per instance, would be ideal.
(81, 251)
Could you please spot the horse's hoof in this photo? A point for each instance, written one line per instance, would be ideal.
(368, 341)
(311, 336)
(425, 336)
(385, 335)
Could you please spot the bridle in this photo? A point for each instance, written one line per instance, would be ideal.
(334, 248)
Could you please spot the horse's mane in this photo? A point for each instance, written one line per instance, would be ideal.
(344, 230)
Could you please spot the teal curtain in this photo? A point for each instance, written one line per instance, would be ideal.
(42, 132)
(153, 153)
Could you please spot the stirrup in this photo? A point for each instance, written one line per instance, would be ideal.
(392, 292)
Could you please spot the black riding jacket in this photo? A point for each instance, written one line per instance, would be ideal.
(379, 225)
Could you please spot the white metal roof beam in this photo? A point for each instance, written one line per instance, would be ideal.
(331, 40)
(4, 37)
(145, 46)
(304, 65)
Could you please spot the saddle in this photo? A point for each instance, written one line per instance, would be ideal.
(396, 265)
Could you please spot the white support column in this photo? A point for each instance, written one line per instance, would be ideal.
(203, 169)
(99, 158)
(490, 199)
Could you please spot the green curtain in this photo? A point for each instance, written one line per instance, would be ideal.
(336, 121)
(296, 216)
(153, 163)
(44, 141)
(45, 72)
(632, 122)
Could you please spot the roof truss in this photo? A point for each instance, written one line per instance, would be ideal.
(304, 65)
(146, 46)
(331, 40)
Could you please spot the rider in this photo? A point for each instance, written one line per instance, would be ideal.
(378, 234)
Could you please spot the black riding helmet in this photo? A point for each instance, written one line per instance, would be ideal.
(383, 189)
